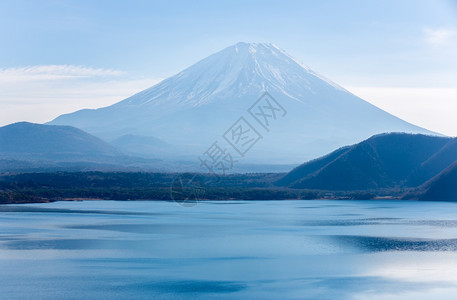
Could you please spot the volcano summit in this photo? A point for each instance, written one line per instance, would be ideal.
(180, 117)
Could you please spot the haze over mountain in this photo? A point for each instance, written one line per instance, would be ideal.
(194, 108)
(27, 146)
(393, 160)
(25, 138)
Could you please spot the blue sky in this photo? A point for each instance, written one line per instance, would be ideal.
(59, 56)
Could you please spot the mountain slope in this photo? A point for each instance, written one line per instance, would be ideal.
(443, 187)
(382, 161)
(193, 108)
(311, 167)
(435, 164)
(140, 145)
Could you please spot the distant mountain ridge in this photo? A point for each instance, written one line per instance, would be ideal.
(193, 108)
(29, 139)
(28, 146)
(382, 161)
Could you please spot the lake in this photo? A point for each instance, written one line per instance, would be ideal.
(229, 250)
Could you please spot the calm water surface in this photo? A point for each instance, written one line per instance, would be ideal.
(229, 250)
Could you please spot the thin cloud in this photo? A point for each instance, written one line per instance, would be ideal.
(54, 72)
(439, 36)
(42, 92)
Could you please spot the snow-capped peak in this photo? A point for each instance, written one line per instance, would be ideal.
(235, 71)
(192, 109)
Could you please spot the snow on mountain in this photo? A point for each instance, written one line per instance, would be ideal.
(234, 72)
(195, 107)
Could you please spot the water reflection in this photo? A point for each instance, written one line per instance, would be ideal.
(265, 250)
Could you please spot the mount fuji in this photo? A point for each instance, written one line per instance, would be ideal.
(182, 116)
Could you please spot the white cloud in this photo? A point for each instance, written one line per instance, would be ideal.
(41, 93)
(53, 72)
(439, 36)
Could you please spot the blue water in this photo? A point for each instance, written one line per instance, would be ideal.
(229, 250)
